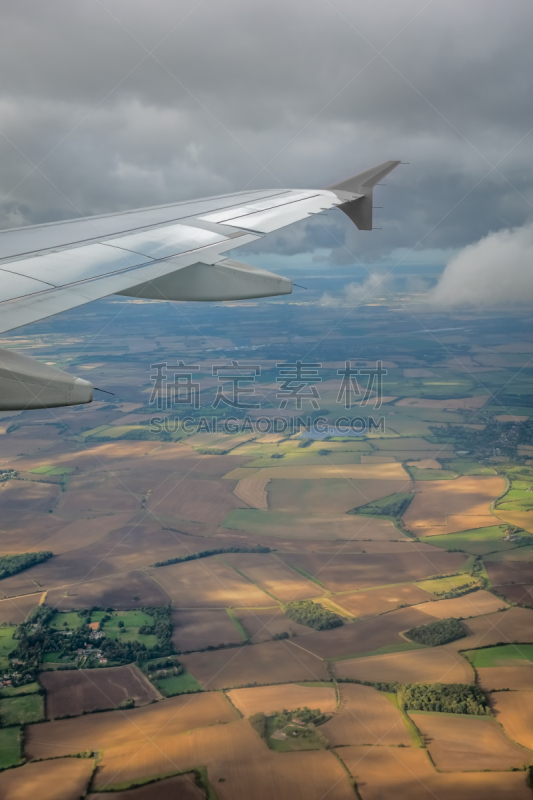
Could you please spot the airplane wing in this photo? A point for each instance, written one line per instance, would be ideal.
(170, 252)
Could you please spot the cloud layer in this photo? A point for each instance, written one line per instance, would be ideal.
(107, 105)
(495, 271)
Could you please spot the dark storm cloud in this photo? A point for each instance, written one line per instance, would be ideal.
(296, 93)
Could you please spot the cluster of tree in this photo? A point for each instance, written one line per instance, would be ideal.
(314, 615)
(10, 565)
(35, 638)
(392, 506)
(162, 629)
(452, 698)
(379, 685)
(440, 632)
(206, 553)
(457, 591)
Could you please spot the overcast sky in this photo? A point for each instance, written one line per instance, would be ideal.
(128, 103)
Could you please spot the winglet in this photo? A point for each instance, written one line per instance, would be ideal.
(357, 192)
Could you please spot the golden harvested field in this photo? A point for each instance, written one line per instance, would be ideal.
(470, 605)
(207, 583)
(129, 590)
(431, 665)
(377, 601)
(206, 501)
(83, 532)
(343, 572)
(362, 637)
(522, 519)
(252, 491)
(510, 418)
(406, 443)
(272, 575)
(181, 787)
(513, 625)
(238, 763)
(518, 677)
(463, 403)
(290, 696)
(61, 779)
(387, 773)
(377, 459)
(263, 624)
(448, 506)
(156, 721)
(16, 609)
(462, 744)
(365, 716)
(76, 692)
(377, 472)
(198, 628)
(271, 662)
(514, 710)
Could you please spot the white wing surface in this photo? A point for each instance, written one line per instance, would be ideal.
(171, 252)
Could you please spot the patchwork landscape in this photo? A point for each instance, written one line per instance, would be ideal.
(197, 614)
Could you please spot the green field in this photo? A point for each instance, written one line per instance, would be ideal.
(305, 741)
(15, 691)
(133, 620)
(447, 584)
(21, 710)
(10, 747)
(479, 542)
(432, 474)
(49, 469)
(177, 684)
(63, 620)
(465, 467)
(493, 656)
(7, 645)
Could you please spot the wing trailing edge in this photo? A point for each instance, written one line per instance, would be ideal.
(358, 191)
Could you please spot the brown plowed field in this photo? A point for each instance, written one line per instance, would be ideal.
(196, 629)
(367, 472)
(252, 491)
(207, 501)
(365, 716)
(448, 506)
(27, 496)
(94, 502)
(209, 583)
(83, 532)
(514, 710)
(462, 744)
(431, 665)
(377, 601)
(343, 572)
(157, 722)
(302, 528)
(129, 590)
(517, 677)
(332, 496)
(502, 572)
(181, 787)
(391, 773)
(513, 625)
(273, 576)
(62, 779)
(262, 624)
(463, 403)
(271, 662)
(269, 699)
(470, 605)
(521, 593)
(16, 609)
(76, 692)
(364, 636)
(238, 763)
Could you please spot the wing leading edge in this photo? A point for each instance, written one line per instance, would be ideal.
(172, 252)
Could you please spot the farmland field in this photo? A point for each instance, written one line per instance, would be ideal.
(271, 662)
(518, 677)
(196, 629)
(407, 774)
(81, 691)
(458, 743)
(273, 576)
(377, 601)
(269, 699)
(61, 779)
(365, 716)
(431, 665)
(181, 786)
(514, 710)
(470, 605)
